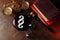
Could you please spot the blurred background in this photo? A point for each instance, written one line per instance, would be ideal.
(8, 32)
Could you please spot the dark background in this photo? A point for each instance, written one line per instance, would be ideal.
(8, 32)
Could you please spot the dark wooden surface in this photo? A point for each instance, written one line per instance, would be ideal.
(8, 32)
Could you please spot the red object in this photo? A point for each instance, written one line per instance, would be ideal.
(48, 14)
(45, 10)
